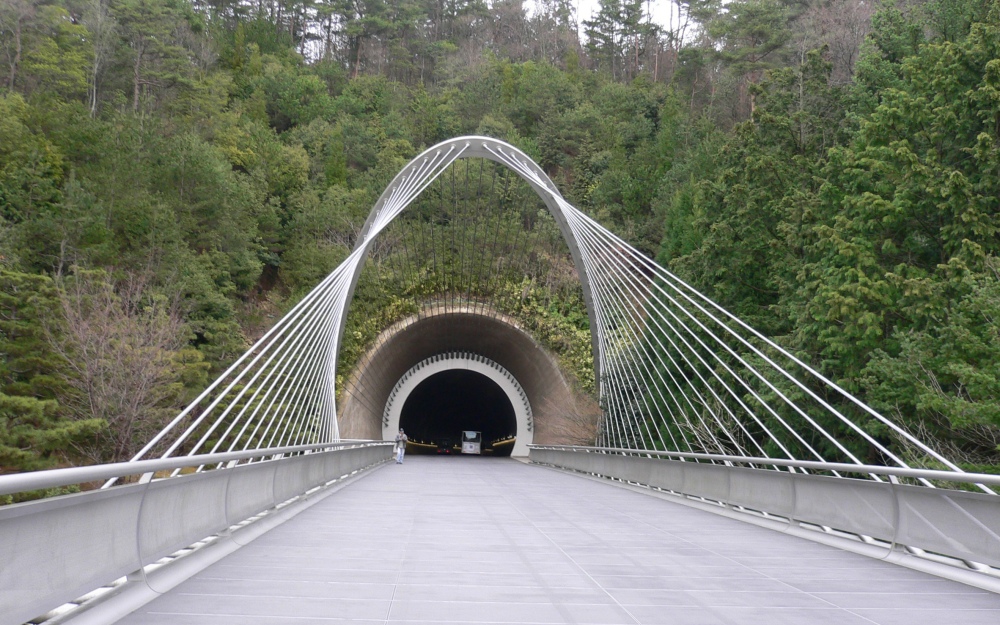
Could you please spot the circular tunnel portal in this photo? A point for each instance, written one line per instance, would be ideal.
(439, 408)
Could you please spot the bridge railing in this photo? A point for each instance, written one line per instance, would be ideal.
(55, 550)
(961, 526)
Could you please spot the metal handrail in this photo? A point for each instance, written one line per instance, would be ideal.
(928, 474)
(52, 478)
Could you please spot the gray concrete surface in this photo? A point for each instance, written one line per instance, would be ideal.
(481, 540)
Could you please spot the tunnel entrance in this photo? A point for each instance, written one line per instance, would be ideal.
(437, 411)
(548, 409)
(463, 391)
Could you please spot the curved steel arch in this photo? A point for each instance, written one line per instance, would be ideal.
(679, 370)
(431, 163)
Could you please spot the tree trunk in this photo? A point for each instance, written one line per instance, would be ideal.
(635, 66)
(328, 43)
(802, 98)
(93, 91)
(17, 53)
(357, 58)
(136, 78)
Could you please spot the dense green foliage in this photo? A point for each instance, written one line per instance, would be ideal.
(827, 169)
(858, 223)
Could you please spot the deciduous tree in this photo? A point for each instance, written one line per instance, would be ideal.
(124, 361)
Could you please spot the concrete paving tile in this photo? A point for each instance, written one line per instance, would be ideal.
(604, 559)
(596, 613)
(745, 616)
(795, 570)
(450, 546)
(635, 582)
(459, 578)
(720, 598)
(472, 555)
(909, 600)
(443, 621)
(676, 615)
(153, 618)
(668, 570)
(480, 612)
(677, 584)
(932, 585)
(515, 594)
(632, 597)
(273, 606)
(276, 606)
(282, 557)
(302, 574)
(758, 599)
(270, 588)
(474, 612)
(670, 575)
(937, 617)
(512, 567)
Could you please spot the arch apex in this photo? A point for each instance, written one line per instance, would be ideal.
(503, 153)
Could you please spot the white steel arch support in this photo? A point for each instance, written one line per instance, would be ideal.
(425, 168)
(665, 356)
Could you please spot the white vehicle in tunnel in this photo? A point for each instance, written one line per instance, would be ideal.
(472, 442)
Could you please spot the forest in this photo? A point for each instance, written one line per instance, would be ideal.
(175, 174)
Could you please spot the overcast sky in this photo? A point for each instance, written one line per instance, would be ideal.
(586, 8)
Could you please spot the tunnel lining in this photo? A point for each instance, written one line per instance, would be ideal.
(469, 361)
(561, 414)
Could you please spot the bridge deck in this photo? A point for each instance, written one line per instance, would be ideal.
(479, 540)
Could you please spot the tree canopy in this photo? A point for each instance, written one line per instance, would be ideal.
(185, 171)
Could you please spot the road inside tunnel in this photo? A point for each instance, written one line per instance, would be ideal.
(442, 406)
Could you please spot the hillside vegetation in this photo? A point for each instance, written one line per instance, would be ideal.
(174, 174)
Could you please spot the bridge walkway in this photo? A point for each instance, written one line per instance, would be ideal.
(482, 540)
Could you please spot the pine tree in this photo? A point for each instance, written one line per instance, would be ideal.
(615, 36)
(34, 432)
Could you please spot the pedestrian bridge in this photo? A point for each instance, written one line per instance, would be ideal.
(489, 540)
(696, 472)
(481, 540)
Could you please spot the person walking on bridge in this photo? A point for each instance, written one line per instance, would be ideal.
(400, 446)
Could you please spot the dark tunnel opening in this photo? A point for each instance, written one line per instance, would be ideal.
(442, 406)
